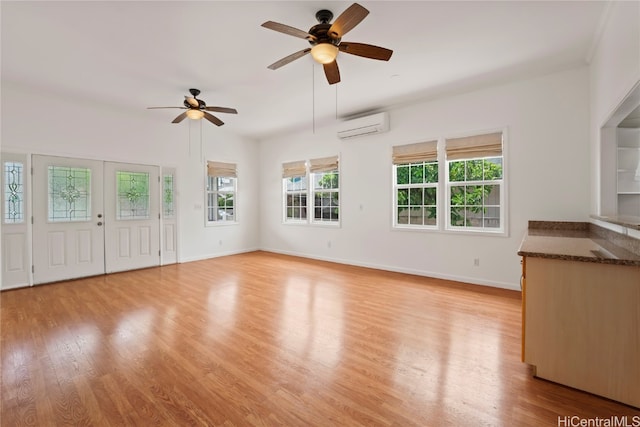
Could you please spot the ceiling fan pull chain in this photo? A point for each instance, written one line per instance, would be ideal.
(313, 98)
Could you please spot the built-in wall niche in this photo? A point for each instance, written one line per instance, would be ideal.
(628, 179)
(628, 152)
(628, 161)
(620, 159)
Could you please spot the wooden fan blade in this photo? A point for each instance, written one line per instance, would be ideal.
(286, 29)
(366, 50)
(156, 108)
(180, 118)
(222, 110)
(192, 101)
(348, 19)
(290, 58)
(213, 119)
(332, 72)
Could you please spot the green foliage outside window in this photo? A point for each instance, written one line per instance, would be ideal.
(329, 180)
(466, 200)
(326, 204)
(417, 203)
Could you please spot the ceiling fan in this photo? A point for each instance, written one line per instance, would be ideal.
(197, 109)
(325, 40)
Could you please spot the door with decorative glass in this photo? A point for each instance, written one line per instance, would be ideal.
(169, 235)
(68, 235)
(132, 213)
(15, 243)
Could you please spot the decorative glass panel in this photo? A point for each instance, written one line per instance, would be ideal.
(13, 193)
(168, 190)
(133, 195)
(69, 194)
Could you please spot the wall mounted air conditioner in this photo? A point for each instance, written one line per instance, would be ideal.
(368, 125)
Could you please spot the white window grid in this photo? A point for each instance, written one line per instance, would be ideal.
(226, 212)
(296, 195)
(425, 220)
(327, 212)
(491, 218)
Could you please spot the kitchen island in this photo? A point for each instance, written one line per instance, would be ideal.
(581, 307)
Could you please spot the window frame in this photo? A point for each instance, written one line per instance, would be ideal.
(209, 190)
(424, 185)
(503, 230)
(443, 191)
(312, 168)
(285, 192)
(312, 199)
(407, 155)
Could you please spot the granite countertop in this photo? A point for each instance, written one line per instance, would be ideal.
(579, 241)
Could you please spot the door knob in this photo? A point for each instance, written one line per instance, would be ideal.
(99, 215)
(100, 223)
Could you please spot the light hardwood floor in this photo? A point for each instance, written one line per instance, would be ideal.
(265, 339)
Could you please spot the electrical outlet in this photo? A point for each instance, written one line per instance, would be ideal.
(329, 244)
(476, 262)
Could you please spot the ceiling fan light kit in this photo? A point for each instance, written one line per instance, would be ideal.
(197, 109)
(195, 114)
(324, 53)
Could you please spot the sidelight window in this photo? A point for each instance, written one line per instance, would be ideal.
(13, 192)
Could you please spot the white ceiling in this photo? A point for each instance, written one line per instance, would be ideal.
(132, 55)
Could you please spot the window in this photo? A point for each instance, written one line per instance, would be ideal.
(475, 182)
(325, 179)
(415, 172)
(133, 195)
(221, 192)
(294, 181)
(13, 192)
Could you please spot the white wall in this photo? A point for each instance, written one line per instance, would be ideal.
(548, 179)
(547, 164)
(614, 72)
(199, 242)
(67, 126)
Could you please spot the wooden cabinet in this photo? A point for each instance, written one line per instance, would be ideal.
(581, 325)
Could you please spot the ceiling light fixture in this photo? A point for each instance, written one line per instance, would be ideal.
(324, 53)
(194, 114)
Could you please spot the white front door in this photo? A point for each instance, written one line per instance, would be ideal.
(68, 234)
(132, 216)
(15, 218)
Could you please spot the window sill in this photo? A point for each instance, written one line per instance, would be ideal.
(221, 223)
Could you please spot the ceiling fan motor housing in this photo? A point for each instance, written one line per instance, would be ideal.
(320, 33)
(201, 103)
